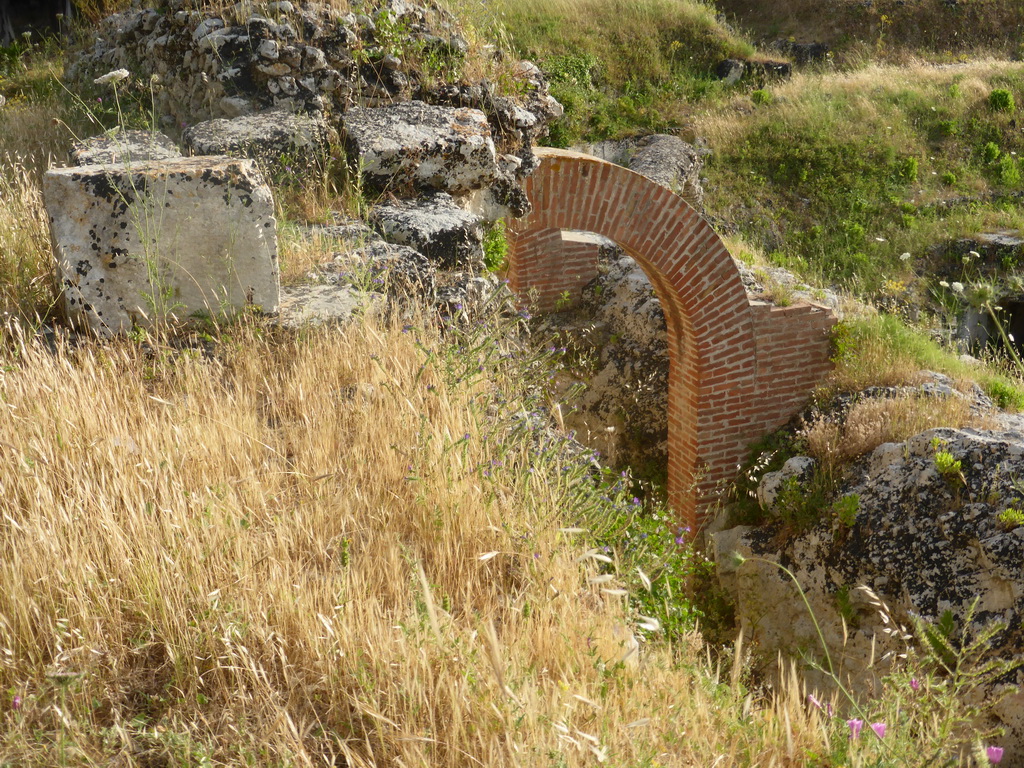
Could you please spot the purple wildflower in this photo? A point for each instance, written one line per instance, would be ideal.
(16, 704)
(915, 684)
(879, 729)
(994, 754)
(855, 726)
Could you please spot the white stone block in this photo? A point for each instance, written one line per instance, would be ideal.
(162, 243)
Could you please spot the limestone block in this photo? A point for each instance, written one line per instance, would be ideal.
(303, 305)
(429, 147)
(278, 140)
(435, 226)
(162, 242)
(120, 146)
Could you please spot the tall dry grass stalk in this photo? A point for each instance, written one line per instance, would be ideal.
(290, 555)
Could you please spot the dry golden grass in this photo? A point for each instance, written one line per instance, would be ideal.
(872, 422)
(26, 286)
(291, 555)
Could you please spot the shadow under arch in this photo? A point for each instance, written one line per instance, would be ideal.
(737, 369)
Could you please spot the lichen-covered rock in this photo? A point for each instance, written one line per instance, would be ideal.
(450, 237)
(303, 305)
(926, 529)
(281, 142)
(423, 146)
(791, 479)
(670, 162)
(665, 160)
(119, 146)
(161, 241)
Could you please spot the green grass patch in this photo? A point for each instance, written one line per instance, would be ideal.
(618, 68)
(837, 176)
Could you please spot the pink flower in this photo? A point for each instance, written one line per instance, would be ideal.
(915, 684)
(16, 704)
(994, 755)
(813, 700)
(879, 729)
(855, 726)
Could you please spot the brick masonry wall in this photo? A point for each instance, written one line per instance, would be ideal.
(737, 370)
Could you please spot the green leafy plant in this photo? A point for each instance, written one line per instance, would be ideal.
(990, 152)
(949, 467)
(1011, 518)
(908, 169)
(495, 246)
(1009, 170)
(762, 96)
(1001, 100)
(846, 509)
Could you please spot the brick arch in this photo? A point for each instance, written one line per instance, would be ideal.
(737, 369)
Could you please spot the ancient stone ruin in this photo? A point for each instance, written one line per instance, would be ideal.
(129, 252)
(739, 369)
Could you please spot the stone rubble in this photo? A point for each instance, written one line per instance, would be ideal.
(305, 58)
(284, 144)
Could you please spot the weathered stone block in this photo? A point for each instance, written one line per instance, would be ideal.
(121, 146)
(162, 241)
(429, 147)
(279, 141)
(435, 226)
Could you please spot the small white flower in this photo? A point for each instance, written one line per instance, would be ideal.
(956, 287)
(904, 257)
(943, 283)
(880, 239)
(974, 255)
(114, 76)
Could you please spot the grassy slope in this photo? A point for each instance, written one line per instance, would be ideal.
(842, 173)
(219, 561)
(618, 68)
(887, 28)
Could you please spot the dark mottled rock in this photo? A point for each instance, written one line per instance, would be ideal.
(281, 142)
(730, 70)
(925, 535)
(671, 162)
(452, 238)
